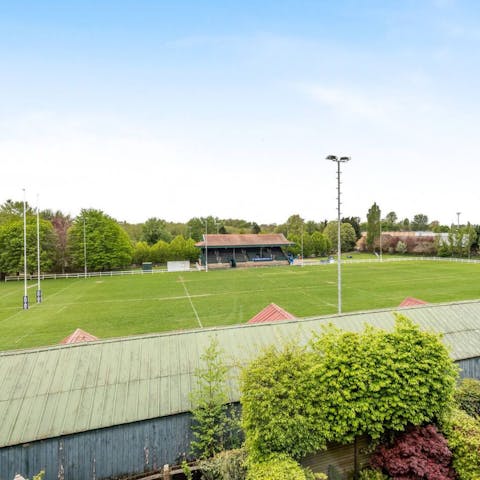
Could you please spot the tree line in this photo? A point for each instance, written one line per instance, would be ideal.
(98, 242)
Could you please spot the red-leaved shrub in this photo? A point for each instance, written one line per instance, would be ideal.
(418, 453)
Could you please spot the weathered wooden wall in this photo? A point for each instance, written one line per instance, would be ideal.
(130, 448)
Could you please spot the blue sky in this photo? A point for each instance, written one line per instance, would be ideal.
(177, 109)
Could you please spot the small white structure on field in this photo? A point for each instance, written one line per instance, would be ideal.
(179, 266)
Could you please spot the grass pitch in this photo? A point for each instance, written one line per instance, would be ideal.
(136, 304)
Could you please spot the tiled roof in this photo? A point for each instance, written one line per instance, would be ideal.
(411, 302)
(271, 313)
(77, 336)
(245, 240)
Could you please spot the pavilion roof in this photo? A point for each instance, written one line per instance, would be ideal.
(244, 240)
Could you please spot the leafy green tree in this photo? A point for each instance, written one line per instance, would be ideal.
(373, 226)
(13, 210)
(12, 248)
(255, 228)
(355, 223)
(160, 252)
(383, 380)
(199, 225)
(321, 244)
(345, 384)
(311, 227)
(107, 244)
(389, 224)
(295, 225)
(182, 249)
(419, 222)
(278, 403)
(215, 425)
(142, 253)
(134, 231)
(154, 229)
(347, 235)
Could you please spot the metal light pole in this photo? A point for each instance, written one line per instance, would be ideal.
(39, 290)
(303, 263)
(380, 239)
(84, 248)
(458, 219)
(25, 295)
(339, 160)
(206, 244)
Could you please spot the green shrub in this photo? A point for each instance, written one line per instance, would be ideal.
(463, 436)
(344, 384)
(227, 465)
(467, 396)
(371, 474)
(276, 468)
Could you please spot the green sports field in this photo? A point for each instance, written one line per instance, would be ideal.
(136, 304)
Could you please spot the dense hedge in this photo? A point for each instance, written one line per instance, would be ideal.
(343, 384)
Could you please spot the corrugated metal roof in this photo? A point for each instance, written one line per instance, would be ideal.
(244, 240)
(65, 389)
(271, 313)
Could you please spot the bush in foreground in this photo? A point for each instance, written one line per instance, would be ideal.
(463, 435)
(419, 453)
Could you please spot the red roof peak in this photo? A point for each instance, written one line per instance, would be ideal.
(78, 336)
(271, 313)
(412, 302)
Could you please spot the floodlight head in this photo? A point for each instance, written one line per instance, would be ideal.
(333, 158)
(344, 159)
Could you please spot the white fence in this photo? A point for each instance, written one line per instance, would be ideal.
(45, 276)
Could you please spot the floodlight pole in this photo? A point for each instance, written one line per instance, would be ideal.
(39, 290)
(339, 160)
(25, 295)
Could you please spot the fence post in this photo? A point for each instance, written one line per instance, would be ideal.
(166, 472)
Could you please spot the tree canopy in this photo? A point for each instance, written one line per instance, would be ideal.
(296, 399)
(107, 244)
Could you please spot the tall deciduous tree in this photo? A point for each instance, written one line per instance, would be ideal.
(155, 229)
(347, 235)
(11, 210)
(355, 223)
(373, 226)
(61, 223)
(107, 244)
(419, 222)
(12, 248)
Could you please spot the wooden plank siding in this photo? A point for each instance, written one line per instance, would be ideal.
(340, 457)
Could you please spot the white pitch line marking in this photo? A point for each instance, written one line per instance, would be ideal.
(187, 293)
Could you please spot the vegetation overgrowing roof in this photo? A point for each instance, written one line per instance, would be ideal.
(47, 392)
(245, 240)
